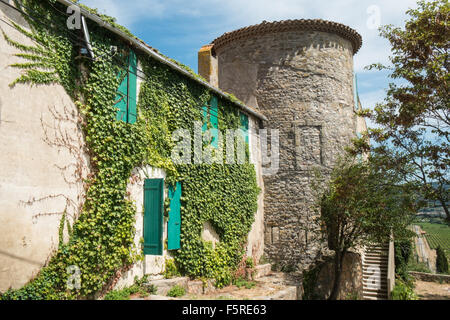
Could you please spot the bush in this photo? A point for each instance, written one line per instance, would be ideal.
(441, 261)
(249, 262)
(171, 269)
(403, 291)
(176, 291)
(403, 251)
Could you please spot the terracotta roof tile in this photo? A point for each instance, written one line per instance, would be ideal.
(292, 25)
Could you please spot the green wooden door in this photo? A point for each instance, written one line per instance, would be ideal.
(153, 216)
(174, 224)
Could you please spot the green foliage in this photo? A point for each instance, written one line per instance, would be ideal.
(362, 203)
(403, 250)
(403, 291)
(139, 287)
(176, 291)
(441, 261)
(249, 263)
(171, 269)
(102, 239)
(242, 282)
(309, 283)
(412, 122)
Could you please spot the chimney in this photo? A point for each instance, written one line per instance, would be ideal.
(207, 64)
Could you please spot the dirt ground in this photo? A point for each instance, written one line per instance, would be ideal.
(432, 290)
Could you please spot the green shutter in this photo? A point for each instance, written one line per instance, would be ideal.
(126, 98)
(214, 121)
(153, 216)
(174, 223)
(121, 96)
(244, 125)
(132, 88)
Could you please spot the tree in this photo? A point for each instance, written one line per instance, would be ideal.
(412, 133)
(441, 261)
(362, 203)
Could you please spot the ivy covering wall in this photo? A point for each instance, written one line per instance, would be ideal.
(101, 240)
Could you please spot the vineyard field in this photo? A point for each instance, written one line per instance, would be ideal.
(437, 234)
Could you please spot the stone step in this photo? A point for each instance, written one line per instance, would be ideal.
(376, 253)
(373, 260)
(374, 293)
(374, 284)
(374, 269)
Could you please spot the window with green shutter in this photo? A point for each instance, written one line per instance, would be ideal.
(153, 216)
(210, 116)
(244, 125)
(126, 98)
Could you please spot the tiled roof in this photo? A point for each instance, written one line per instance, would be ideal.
(291, 25)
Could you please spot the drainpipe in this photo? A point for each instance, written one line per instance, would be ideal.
(86, 37)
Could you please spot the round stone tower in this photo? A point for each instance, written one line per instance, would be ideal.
(299, 74)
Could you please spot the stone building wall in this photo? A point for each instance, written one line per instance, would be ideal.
(301, 79)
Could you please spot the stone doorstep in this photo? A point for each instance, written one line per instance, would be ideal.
(192, 286)
(164, 285)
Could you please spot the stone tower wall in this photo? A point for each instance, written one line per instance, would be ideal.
(302, 81)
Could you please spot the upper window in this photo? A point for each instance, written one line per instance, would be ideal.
(126, 98)
(210, 116)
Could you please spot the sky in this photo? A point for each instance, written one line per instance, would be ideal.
(179, 28)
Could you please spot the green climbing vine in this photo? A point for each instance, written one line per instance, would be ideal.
(101, 240)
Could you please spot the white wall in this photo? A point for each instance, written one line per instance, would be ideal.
(37, 177)
(255, 244)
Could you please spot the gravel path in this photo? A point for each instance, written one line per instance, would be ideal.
(432, 290)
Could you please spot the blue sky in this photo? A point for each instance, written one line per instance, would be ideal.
(179, 28)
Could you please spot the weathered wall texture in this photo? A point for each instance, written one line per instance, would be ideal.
(351, 281)
(38, 179)
(302, 81)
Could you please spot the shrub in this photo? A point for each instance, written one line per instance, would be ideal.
(403, 291)
(441, 261)
(171, 269)
(176, 291)
(403, 251)
(249, 262)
